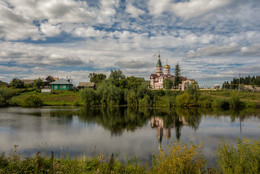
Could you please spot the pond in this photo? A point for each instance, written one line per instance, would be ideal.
(127, 132)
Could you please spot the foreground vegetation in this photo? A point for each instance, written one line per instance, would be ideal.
(181, 158)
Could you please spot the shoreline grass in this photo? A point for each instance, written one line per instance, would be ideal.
(244, 157)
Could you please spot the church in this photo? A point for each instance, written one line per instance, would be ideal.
(156, 80)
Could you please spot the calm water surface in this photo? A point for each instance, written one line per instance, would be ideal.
(127, 132)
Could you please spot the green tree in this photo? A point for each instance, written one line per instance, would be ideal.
(131, 98)
(167, 83)
(17, 83)
(115, 76)
(97, 78)
(88, 96)
(177, 79)
(32, 101)
(109, 94)
(38, 83)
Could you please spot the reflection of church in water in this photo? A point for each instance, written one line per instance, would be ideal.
(159, 124)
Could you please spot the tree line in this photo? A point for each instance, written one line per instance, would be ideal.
(234, 84)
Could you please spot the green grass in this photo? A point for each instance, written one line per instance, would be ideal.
(242, 95)
(180, 158)
(58, 98)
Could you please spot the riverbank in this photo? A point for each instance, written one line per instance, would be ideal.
(244, 157)
(163, 98)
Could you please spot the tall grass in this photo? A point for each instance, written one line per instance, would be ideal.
(180, 158)
(242, 158)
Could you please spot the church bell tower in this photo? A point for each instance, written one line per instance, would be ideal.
(159, 66)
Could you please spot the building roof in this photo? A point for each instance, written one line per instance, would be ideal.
(167, 66)
(159, 63)
(86, 84)
(154, 76)
(27, 82)
(61, 82)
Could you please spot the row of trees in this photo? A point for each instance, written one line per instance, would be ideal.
(117, 90)
(17, 83)
(234, 84)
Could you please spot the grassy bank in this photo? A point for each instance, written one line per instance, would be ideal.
(181, 158)
(57, 98)
(143, 97)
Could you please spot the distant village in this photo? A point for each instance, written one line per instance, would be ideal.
(49, 83)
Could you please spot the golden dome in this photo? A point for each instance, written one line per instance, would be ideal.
(167, 66)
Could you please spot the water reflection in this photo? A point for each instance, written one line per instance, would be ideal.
(126, 131)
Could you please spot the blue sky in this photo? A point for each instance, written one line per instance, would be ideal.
(212, 40)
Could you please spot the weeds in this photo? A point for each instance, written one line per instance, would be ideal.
(244, 158)
(180, 158)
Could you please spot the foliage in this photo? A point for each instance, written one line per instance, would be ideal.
(109, 94)
(15, 163)
(88, 96)
(167, 83)
(184, 100)
(205, 101)
(189, 98)
(17, 83)
(131, 83)
(235, 101)
(3, 84)
(181, 158)
(131, 98)
(234, 83)
(146, 101)
(244, 158)
(177, 79)
(115, 76)
(220, 103)
(32, 101)
(5, 95)
(97, 78)
(193, 90)
(38, 83)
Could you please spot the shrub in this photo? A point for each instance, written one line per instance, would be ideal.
(131, 98)
(244, 158)
(5, 95)
(221, 103)
(181, 158)
(146, 101)
(88, 96)
(167, 83)
(205, 101)
(249, 104)
(235, 101)
(31, 101)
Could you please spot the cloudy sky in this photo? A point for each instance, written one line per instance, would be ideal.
(212, 40)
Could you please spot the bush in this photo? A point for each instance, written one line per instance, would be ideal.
(5, 95)
(181, 158)
(146, 101)
(32, 101)
(244, 158)
(205, 101)
(221, 103)
(235, 101)
(131, 98)
(88, 96)
(183, 99)
(249, 104)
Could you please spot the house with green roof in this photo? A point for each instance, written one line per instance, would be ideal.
(61, 84)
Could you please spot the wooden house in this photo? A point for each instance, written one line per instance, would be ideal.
(61, 84)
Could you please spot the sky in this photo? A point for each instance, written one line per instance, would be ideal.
(212, 40)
